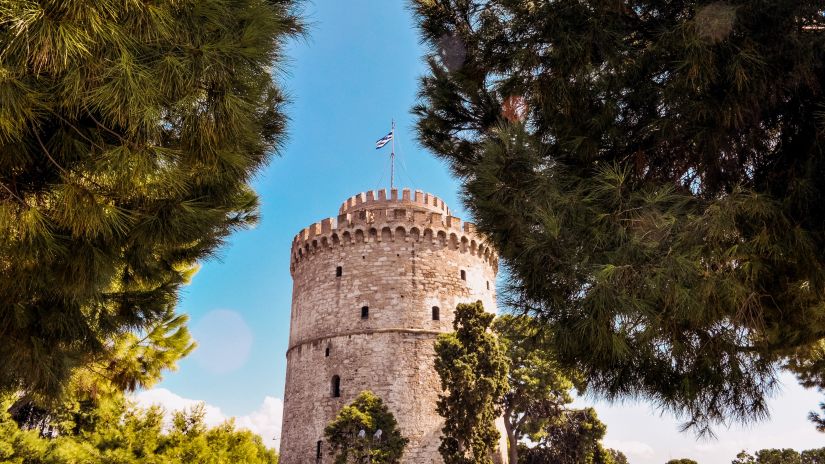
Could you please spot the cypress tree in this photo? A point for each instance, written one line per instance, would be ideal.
(653, 175)
(472, 367)
(129, 132)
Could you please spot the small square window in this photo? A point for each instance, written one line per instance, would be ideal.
(365, 312)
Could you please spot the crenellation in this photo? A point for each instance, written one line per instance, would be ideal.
(372, 199)
(327, 225)
(408, 215)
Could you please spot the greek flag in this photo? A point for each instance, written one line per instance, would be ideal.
(383, 141)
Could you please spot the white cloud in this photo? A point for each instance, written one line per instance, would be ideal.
(265, 421)
(630, 448)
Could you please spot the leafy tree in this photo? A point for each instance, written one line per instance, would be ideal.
(778, 456)
(781, 456)
(813, 456)
(536, 404)
(682, 461)
(744, 458)
(354, 437)
(129, 132)
(122, 433)
(473, 371)
(617, 456)
(769, 456)
(539, 390)
(652, 173)
(573, 437)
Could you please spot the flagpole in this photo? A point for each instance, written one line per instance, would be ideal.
(392, 157)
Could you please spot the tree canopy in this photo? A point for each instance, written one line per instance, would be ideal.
(473, 371)
(365, 431)
(119, 432)
(571, 437)
(652, 173)
(782, 456)
(539, 391)
(129, 132)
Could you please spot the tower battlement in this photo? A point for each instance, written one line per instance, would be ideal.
(378, 198)
(369, 217)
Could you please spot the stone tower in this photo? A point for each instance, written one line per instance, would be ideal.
(372, 290)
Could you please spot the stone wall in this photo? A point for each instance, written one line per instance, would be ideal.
(399, 257)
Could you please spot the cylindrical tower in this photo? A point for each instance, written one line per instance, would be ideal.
(371, 292)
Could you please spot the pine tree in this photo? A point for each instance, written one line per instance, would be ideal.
(653, 175)
(473, 371)
(129, 363)
(129, 132)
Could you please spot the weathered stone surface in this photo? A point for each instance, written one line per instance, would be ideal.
(400, 256)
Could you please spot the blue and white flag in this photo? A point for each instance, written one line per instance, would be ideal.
(383, 141)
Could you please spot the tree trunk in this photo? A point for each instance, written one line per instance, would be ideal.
(512, 442)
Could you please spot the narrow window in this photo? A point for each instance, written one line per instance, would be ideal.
(436, 315)
(335, 386)
(463, 274)
(488, 285)
(365, 312)
(326, 352)
(318, 450)
(339, 271)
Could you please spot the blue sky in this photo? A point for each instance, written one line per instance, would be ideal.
(356, 71)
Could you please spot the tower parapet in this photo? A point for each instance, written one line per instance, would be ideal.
(372, 290)
(378, 198)
(373, 216)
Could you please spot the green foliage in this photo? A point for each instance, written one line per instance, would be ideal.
(130, 362)
(366, 413)
(536, 405)
(572, 437)
(539, 389)
(813, 456)
(769, 456)
(782, 456)
(616, 456)
(473, 371)
(124, 434)
(129, 132)
(653, 175)
(744, 458)
(682, 461)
